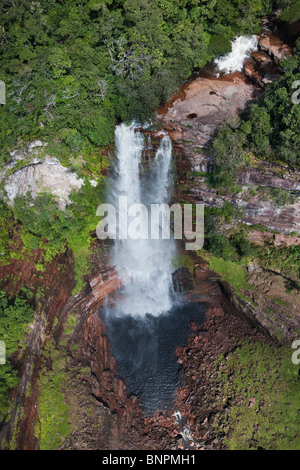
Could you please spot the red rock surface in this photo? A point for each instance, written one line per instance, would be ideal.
(273, 46)
(262, 238)
(205, 104)
(56, 283)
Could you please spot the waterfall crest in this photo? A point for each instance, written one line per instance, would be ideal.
(234, 60)
(143, 265)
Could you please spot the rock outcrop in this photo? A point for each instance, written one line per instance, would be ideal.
(207, 103)
(49, 176)
(33, 170)
(263, 314)
(273, 46)
(210, 98)
(254, 207)
(40, 176)
(263, 238)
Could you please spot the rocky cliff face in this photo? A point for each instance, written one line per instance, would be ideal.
(93, 353)
(51, 293)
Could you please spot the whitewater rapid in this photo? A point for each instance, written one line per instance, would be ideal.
(240, 50)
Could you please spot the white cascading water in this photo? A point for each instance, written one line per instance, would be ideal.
(234, 60)
(144, 265)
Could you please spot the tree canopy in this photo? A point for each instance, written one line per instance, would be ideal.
(71, 68)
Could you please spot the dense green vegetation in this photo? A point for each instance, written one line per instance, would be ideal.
(227, 240)
(292, 12)
(231, 271)
(54, 416)
(45, 227)
(71, 68)
(15, 314)
(269, 129)
(260, 384)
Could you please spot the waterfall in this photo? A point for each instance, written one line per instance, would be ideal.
(234, 61)
(143, 265)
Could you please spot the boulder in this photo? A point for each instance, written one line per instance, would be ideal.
(273, 46)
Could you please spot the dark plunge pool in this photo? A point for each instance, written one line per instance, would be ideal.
(144, 349)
